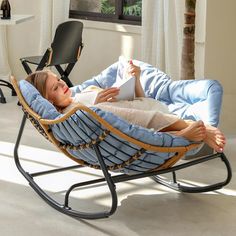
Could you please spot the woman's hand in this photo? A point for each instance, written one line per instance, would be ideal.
(107, 95)
(133, 70)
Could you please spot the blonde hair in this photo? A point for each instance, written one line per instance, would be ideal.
(38, 80)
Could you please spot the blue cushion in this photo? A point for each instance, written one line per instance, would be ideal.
(79, 129)
(194, 99)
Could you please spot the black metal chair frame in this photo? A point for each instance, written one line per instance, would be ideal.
(111, 181)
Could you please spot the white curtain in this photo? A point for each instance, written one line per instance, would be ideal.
(4, 65)
(53, 12)
(162, 23)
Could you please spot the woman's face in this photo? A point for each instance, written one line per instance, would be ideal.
(57, 92)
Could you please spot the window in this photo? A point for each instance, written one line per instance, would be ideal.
(120, 11)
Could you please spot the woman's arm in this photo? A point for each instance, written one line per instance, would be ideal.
(135, 71)
(109, 94)
(138, 88)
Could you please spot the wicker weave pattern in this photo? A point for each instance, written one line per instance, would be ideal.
(86, 145)
(36, 124)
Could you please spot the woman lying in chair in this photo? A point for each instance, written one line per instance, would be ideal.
(146, 112)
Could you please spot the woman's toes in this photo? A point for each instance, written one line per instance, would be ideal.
(219, 150)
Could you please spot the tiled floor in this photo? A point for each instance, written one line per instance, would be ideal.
(145, 208)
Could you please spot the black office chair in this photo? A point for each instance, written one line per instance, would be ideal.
(65, 50)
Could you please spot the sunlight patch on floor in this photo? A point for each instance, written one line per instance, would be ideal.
(36, 159)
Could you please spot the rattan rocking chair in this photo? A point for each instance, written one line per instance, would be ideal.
(103, 132)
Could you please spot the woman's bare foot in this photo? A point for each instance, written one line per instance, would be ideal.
(215, 138)
(196, 131)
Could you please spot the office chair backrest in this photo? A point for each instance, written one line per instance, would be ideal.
(67, 43)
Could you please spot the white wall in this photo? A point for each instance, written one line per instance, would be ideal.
(103, 43)
(23, 38)
(220, 55)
